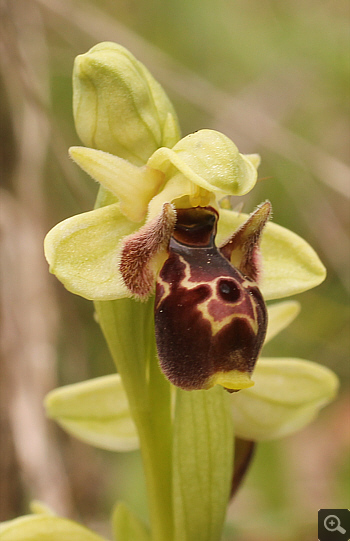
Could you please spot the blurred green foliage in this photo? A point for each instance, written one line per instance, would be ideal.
(273, 76)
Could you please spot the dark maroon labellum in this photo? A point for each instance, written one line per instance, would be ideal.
(210, 317)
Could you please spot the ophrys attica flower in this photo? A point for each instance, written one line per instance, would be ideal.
(210, 315)
(160, 228)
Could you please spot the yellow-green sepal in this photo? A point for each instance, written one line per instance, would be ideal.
(289, 264)
(83, 252)
(45, 528)
(95, 411)
(287, 395)
(280, 315)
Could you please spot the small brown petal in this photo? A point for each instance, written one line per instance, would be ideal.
(141, 252)
(242, 249)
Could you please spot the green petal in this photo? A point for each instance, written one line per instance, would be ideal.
(210, 160)
(96, 412)
(134, 186)
(280, 315)
(287, 395)
(45, 528)
(83, 252)
(289, 264)
(127, 526)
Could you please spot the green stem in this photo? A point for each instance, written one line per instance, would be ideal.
(129, 330)
(156, 446)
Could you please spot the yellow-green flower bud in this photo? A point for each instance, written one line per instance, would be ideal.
(119, 107)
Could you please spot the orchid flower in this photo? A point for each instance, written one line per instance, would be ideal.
(176, 275)
(162, 236)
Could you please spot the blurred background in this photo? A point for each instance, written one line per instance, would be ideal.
(273, 76)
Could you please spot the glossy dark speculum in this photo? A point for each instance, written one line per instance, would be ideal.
(209, 317)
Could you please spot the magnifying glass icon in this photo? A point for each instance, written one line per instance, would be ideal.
(332, 524)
